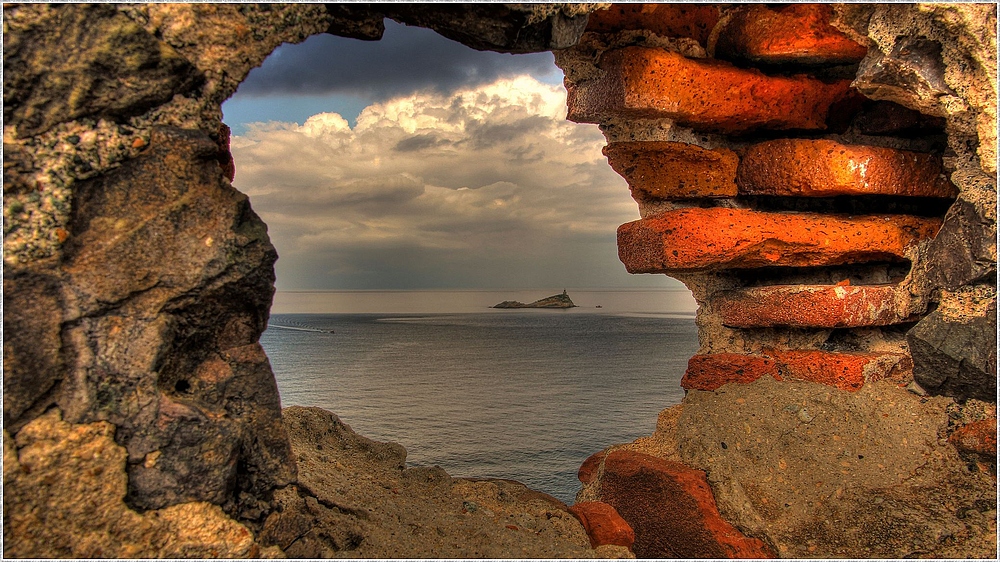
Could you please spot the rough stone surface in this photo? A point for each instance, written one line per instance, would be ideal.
(671, 508)
(720, 238)
(603, 524)
(651, 83)
(822, 473)
(845, 371)
(713, 371)
(787, 34)
(64, 490)
(939, 59)
(356, 498)
(32, 358)
(194, 400)
(964, 252)
(776, 168)
(509, 28)
(957, 356)
(912, 69)
(90, 61)
(674, 170)
(804, 306)
(694, 21)
(978, 438)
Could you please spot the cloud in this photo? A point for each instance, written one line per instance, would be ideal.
(405, 60)
(486, 187)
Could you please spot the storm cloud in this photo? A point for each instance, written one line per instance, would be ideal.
(485, 187)
(404, 61)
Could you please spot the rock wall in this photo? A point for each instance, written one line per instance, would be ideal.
(137, 280)
(823, 179)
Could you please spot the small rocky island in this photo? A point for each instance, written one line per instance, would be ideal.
(555, 301)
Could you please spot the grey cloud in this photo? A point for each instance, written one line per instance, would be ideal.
(406, 60)
(486, 135)
(419, 142)
(374, 196)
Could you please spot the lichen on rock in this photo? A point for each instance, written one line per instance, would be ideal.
(64, 491)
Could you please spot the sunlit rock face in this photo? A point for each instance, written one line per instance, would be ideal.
(138, 281)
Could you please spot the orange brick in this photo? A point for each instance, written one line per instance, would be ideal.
(694, 21)
(695, 239)
(674, 170)
(603, 524)
(672, 510)
(810, 306)
(846, 371)
(776, 168)
(796, 33)
(707, 95)
(978, 437)
(710, 372)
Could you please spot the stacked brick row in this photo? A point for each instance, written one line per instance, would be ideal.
(721, 198)
(784, 200)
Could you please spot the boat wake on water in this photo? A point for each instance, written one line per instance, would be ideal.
(300, 328)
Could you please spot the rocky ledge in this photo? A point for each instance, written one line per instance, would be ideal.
(65, 486)
(555, 301)
(356, 498)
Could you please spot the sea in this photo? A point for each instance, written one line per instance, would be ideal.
(521, 394)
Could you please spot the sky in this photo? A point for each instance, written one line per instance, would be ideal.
(415, 162)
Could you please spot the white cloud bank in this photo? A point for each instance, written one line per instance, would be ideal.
(488, 187)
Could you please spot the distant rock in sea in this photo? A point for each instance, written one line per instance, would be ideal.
(555, 301)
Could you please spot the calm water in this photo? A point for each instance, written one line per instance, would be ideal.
(520, 394)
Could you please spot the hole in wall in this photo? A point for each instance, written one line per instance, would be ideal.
(403, 207)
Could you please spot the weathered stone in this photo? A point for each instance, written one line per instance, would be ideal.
(355, 498)
(64, 487)
(90, 61)
(912, 73)
(712, 371)
(845, 371)
(507, 28)
(956, 356)
(603, 524)
(694, 21)
(821, 473)
(963, 252)
(776, 168)
(358, 21)
(674, 170)
(720, 238)
(811, 306)
(703, 94)
(784, 34)
(978, 438)
(32, 355)
(671, 509)
(194, 398)
(225, 156)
